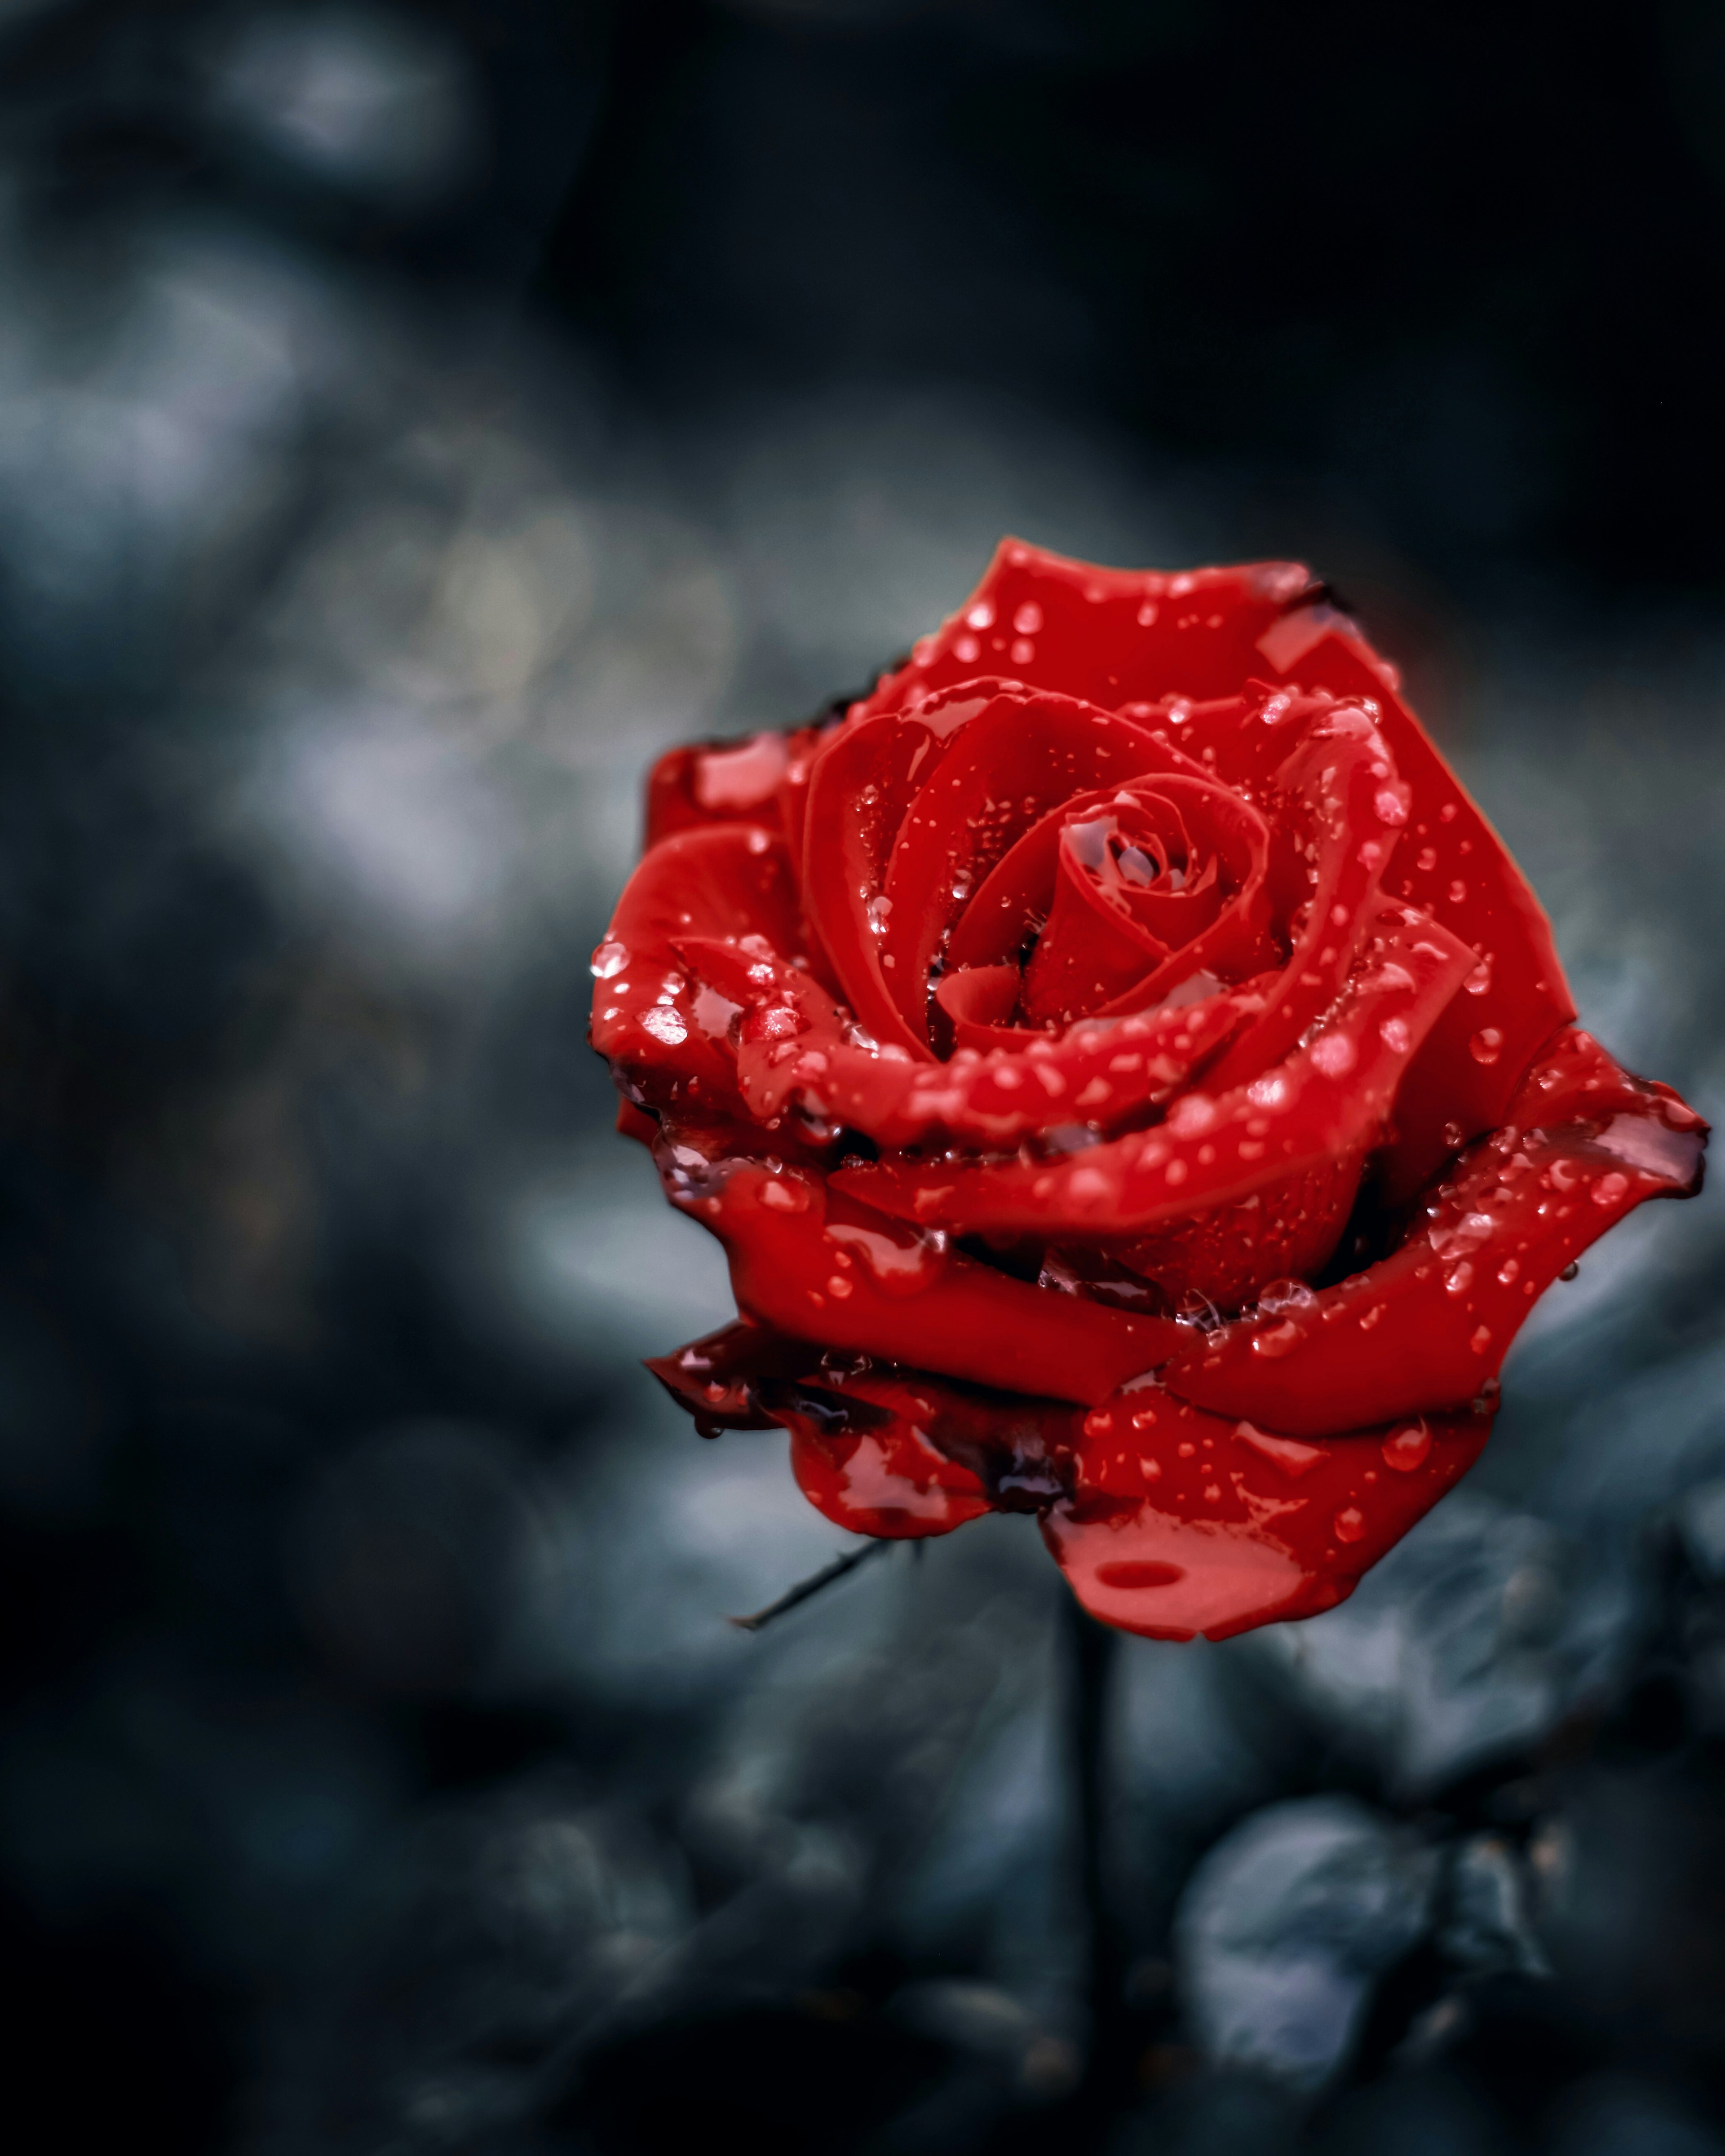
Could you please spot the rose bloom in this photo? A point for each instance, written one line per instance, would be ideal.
(1131, 1083)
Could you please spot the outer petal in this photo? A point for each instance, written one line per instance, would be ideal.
(725, 881)
(1114, 637)
(1182, 1522)
(1429, 1327)
(840, 1275)
(1453, 864)
(862, 1456)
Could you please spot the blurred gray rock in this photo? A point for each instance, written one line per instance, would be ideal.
(1286, 1924)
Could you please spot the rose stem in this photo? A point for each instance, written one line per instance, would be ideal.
(1090, 1650)
(804, 1587)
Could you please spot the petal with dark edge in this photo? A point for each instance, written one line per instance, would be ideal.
(1182, 1522)
(833, 1271)
(1427, 1327)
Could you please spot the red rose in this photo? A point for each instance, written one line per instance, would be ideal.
(1131, 1083)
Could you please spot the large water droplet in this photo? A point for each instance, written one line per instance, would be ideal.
(1408, 1448)
(1486, 1045)
(608, 961)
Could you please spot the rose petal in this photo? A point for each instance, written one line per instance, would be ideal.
(1323, 1103)
(1331, 853)
(719, 881)
(1111, 636)
(860, 785)
(1103, 1073)
(1431, 1324)
(1452, 864)
(1182, 1522)
(871, 1469)
(942, 1312)
(1019, 758)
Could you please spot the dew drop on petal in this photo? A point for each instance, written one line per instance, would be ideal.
(1394, 1035)
(1609, 1188)
(608, 961)
(666, 1026)
(1028, 619)
(1458, 891)
(1486, 1045)
(1481, 1340)
(1406, 1449)
(1333, 1055)
(1350, 1524)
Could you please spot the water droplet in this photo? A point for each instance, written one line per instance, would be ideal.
(1460, 1279)
(967, 649)
(608, 961)
(878, 910)
(1390, 807)
(1481, 1340)
(1286, 1295)
(1394, 1035)
(1453, 1135)
(1458, 892)
(1609, 1188)
(1480, 979)
(1408, 1448)
(1350, 1524)
(1569, 1271)
(1486, 1045)
(1028, 619)
(1280, 1340)
(1333, 1055)
(666, 1026)
(1023, 652)
(1098, 1423)
(1426, 859)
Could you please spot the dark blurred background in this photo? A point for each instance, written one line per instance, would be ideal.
(411, 418)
